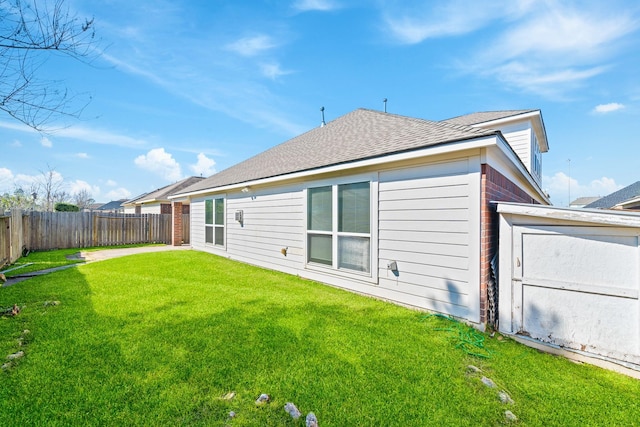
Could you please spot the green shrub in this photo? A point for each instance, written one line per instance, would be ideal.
(66, 207)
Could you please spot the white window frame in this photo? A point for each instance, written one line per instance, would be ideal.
(536, 158)
(372, 274)
(213, 226)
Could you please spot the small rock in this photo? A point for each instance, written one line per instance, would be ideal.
(17, 355)
(292, 410)
(232, 414)
(264, 398)
(473, 369)
(311, 420)
(505, 398)
(488, 382)
(26, 332)
(229, 395)
(51, 303)
(510, 416)
(6, 365)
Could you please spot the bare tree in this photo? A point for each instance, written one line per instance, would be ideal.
(30, 32)
(51, 188)
(83, 199)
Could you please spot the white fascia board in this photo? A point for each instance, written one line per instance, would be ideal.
(513, 158)
(592, 216)
(632, 201)
(446, 148)
(150, 201)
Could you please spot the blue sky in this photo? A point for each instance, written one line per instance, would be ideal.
(192, 87)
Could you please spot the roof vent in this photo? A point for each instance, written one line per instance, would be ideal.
(384, 101)
(322, 123)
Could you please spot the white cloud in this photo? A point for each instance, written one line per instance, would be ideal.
(415, 22)
(558, 188)
(252, 46)
(161, 163)
(319, 5)
(118, 193)
(608, 108)
(79, 185)
(111, 183)
(84, 134)
(82, 155)
(564, 31)
(548, 48)
(555, 48)
(26, 181)
(273, 70)
(16, 143)
(46, 142)
(6, 180)
(204, 167)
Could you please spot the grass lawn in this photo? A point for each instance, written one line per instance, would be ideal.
(43, 260)
(161, 338)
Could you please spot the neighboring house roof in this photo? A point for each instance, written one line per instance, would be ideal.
(607, 202)
(486, 116)
(583, 201)
(94, 206)
(359, 135)
(112, 205)
(162, 194)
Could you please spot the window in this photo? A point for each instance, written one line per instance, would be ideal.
(537, 158)
(338, 226)
(214, 221)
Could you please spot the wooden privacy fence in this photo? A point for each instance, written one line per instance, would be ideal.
(58, 230)
(61, 230)
(11, 237)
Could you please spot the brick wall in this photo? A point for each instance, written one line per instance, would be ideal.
(495, 187)
(176, 235)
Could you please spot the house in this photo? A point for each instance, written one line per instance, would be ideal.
(625, 198)
(114, 206)
(157, 201)
(581, 202)
(385, 205)
(93, 206)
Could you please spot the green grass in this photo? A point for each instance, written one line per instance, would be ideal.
(36, 261)
(158, 339)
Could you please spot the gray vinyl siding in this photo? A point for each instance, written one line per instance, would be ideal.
(425, 218)
(273, 220)
(197, 223)
(425, 223)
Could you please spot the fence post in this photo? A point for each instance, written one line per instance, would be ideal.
(17, 235)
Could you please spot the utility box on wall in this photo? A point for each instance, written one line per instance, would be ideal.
(571, 278)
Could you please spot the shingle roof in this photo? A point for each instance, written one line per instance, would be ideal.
(582, 201)
(358, 135)
(164, 192)
(486, 116)
(616, 197)
(114, 204)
